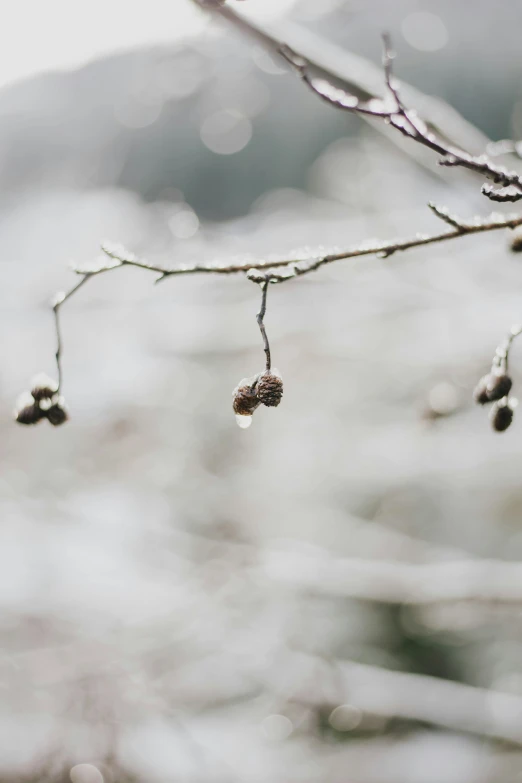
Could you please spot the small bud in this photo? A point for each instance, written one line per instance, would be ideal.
(56, 412)
(43, 387)
(28, 414)
(480, 395)
(270, 389)
(498, 386)
(501, 415)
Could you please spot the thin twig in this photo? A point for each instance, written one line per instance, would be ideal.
(260, 321)
(59, 300)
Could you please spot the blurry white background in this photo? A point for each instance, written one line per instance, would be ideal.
(63, 35)
(333, 595)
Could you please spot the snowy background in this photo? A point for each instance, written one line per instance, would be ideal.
(334, 594)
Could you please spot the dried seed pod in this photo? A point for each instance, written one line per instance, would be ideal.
(516, 243)
(43, 387)
(29, 413)
(499, 385)
(501, 415)
(245, 400)
(56, 412)
(270, 388)
(480, 395)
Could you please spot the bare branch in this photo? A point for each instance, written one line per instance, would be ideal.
(297, 266)
(358, 76)
(273, 269)
(416, 697)
(405, 121)
(390, 582)
(501, 194)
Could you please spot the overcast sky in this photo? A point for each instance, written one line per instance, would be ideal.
(43, 35)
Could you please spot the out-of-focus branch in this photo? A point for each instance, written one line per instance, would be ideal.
(281, 269)
(357, 101)
(416, 697)
(356, 75)
(397, 582)
(396, 114)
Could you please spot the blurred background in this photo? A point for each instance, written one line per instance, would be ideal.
(335, 594)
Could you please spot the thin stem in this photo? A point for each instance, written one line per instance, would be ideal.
(59, 300)
(260, 321)
(501, 359)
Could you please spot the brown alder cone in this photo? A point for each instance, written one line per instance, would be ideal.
(29, 414)
(516, 243)
(501, 416)
(245, 401)
(498, 386)
(56, 415)
(270, 389)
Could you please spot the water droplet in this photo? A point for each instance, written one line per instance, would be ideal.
(85, 773)
(243, 421)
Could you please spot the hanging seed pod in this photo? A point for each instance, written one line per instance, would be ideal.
(28, 411)
(499, 385)
(54, 411)
(245, 401)
(57, 415)
(43, 387)
(516, 243)
(502, 414)
(270, 388)
(480, 395)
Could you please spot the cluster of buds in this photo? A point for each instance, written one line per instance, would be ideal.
(266, 388)
(42, 402)
(494, 388)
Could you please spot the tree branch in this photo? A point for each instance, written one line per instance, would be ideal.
(257, 270)
(391, 582)
(357, 76)
(395, 113)
(415, 697)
